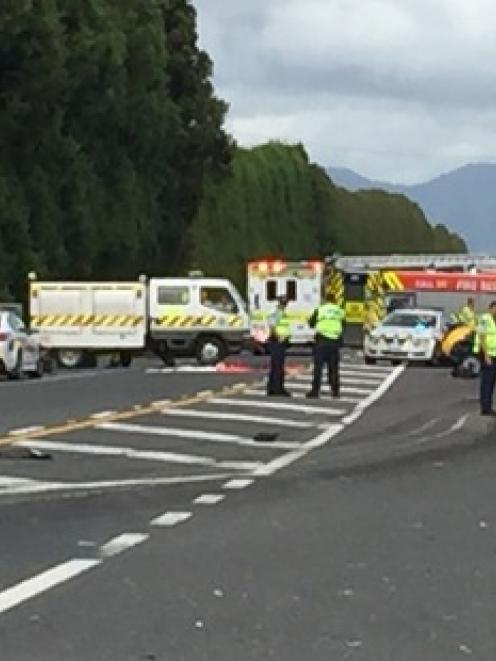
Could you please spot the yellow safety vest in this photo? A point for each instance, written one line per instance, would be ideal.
(467, 316)
(330, 321)
(281, 325)
(487, 328)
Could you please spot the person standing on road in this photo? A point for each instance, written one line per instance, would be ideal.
(486, 345)
(327, 320)
(467, 315)
(277, 345)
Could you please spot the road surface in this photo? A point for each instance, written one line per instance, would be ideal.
(143, 517)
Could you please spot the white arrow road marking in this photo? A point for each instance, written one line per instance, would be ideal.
(131, 453)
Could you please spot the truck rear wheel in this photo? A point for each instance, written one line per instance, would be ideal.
(70, 358)
(125, 358)
(210, 350)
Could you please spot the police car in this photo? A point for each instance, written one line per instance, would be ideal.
(411, 335)
(20, 351)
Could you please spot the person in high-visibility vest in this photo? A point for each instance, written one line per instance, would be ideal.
(486, 346)
(277, 344)
(467, 315)
(327, 320)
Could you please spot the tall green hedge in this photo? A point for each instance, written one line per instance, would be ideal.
(274, 202)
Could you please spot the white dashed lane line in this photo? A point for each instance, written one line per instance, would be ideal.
(122, 543)
(170, 519)
(209, 499)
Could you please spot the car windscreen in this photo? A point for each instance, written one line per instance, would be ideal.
(410, 320)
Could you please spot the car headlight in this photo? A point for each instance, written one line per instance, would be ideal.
(421, 342)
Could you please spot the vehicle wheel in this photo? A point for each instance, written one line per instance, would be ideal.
(16, 373)
(70, 358)
(210, 350)
(125, 359)
(39, 371)
(470, 367)
(370, 361)
(395, 363)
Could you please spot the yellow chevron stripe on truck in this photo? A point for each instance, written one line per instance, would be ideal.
(392, 281)
(182, 321)
(336, 287)
(78, 320)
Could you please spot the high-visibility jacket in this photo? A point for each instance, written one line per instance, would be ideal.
(329, 321)
(280, 325)
(467, 316)
(487, 328)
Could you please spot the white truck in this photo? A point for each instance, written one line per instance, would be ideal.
(195, 316)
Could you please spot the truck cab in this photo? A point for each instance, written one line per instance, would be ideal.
(197, 316)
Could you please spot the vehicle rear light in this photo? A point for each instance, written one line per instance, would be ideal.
(4, 337)
(278, 266)
(263, 267)
(315, 265)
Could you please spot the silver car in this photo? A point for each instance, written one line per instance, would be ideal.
(20, 351)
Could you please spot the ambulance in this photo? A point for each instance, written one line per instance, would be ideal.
(299, 282)
(195, 316)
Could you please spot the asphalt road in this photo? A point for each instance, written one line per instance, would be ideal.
(365, 530)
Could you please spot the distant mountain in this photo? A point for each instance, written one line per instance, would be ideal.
(464, 200)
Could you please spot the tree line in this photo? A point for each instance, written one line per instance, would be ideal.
(275, 202)
(114, 160)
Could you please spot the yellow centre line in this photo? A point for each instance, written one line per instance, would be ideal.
(136, 411)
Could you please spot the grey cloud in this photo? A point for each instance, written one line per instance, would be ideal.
(424, 66)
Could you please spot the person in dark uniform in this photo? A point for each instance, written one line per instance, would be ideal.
(277, 344)
(327, 320)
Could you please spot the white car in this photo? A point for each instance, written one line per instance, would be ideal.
(20, 351)
(405, 335)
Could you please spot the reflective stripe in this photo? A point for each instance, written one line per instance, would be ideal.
(77, 320)
(330, 321)
(487, 328)
(203, 321)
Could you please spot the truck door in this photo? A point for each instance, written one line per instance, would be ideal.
(354, 297)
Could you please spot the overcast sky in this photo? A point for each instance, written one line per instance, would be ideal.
(396, 89)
